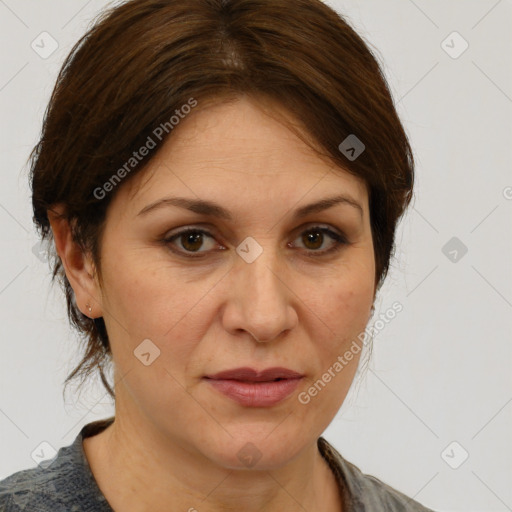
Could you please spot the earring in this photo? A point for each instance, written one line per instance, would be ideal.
(88, 307)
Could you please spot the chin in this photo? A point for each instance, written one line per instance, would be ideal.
(255, 448)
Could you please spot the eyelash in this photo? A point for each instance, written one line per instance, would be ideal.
(339, 239)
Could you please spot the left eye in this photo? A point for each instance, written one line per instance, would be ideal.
(316, 237)
(192, 239)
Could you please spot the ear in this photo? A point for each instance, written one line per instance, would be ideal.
(79, 266)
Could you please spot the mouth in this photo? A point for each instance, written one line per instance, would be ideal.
(247, 374)
(251, 388)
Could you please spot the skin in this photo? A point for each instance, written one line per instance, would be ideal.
(175, 440)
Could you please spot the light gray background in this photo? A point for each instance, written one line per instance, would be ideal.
(440, 371)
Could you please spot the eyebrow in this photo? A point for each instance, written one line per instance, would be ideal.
(213, 209)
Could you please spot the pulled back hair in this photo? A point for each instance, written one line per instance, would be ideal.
(142, 60)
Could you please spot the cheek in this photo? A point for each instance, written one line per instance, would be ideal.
(346, 308)
(173, 314)
(151, 295)
(163, 305)
(350, 308)
(345, 305)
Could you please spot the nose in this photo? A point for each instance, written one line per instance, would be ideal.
(259, 301)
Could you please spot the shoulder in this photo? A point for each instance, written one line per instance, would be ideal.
(32, 489)
(62, 484)
(377, 495)
(366, 492)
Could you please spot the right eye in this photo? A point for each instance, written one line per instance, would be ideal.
(191, 240)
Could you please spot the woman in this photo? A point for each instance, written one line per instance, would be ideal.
(222, 180)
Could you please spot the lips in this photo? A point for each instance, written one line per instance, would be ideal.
(247, 374)
(251, 388)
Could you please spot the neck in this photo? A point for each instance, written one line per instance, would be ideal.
(138, 469)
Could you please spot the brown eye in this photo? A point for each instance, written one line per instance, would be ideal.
(314, 239)
(189, 241)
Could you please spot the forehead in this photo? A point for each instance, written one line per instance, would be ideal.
(240, 148)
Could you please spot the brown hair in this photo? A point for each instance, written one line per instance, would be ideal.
(144, 59)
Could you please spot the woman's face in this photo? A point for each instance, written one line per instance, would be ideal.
(263, 288)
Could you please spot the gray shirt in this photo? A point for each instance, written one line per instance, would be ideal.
(68, 485)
